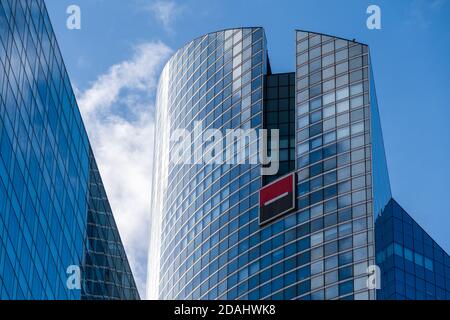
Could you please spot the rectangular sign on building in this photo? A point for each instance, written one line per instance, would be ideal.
(277, 199)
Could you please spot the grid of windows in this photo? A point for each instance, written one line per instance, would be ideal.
(208, 211)
(413, 266)
(45, 163)
(44, 167)
(334, 154)
(212, 246)
(279, 113)
(106, 273)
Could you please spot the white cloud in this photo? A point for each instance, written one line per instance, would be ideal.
(165, 11)
(118, 111)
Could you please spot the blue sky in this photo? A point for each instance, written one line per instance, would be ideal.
(411, 66)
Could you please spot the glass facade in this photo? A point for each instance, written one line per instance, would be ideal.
(337, 118)
(53, 208)
(279, 113)
(208, 212)
(413, 266)
(205, 217)
(106, 272)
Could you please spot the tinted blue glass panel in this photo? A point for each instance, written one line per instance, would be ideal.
(407, 271)
(53, 209)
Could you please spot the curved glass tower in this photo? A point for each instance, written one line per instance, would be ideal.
(206, 210)
(208, 239)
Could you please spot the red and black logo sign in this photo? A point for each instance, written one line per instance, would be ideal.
(277, 199)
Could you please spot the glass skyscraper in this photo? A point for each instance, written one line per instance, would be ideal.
(206, 228)
(54, 212)
(413, 266)
(205, 210)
